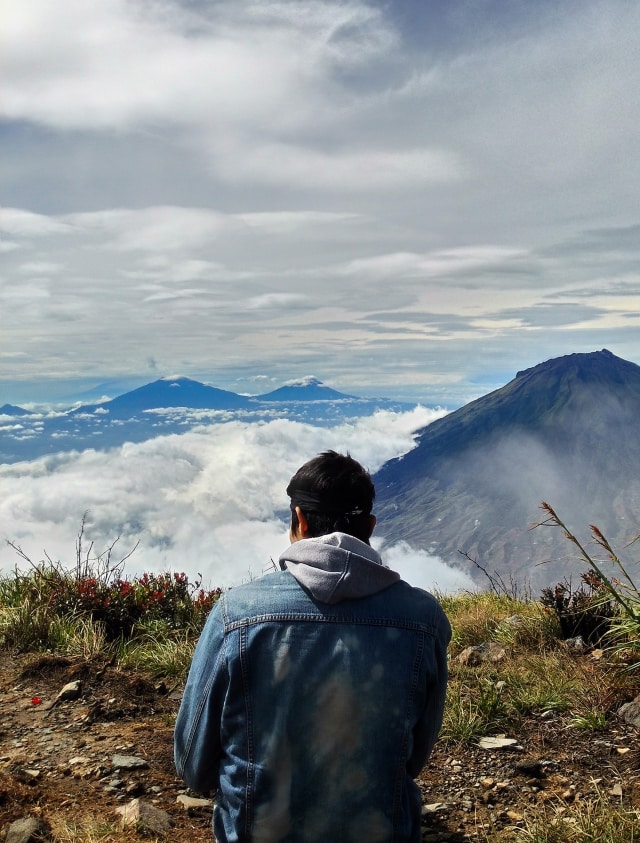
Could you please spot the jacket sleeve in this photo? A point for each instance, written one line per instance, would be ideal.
(196, 742)
(428, 726)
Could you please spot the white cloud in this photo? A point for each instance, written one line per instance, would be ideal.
(19, 222)
(205, 502)
(232, 64)
(425, 570)
(276, 300)
(339, 170)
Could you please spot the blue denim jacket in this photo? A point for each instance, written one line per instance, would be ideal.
(311, 719)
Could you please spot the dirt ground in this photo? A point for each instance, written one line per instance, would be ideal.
(57, 763)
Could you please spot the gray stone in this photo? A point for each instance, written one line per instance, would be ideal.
(190, 803)
(575, 645)
(630, 712)
(26, 830)
(139, 813)
(487, 652)
(128, 762)
(71, 691)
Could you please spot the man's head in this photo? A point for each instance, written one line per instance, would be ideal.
(331, 493)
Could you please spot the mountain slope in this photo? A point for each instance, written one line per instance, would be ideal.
(169, 392)
(566, 431)
(308, 389)
(13, 410)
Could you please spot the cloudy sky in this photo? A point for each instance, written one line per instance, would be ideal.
(410, 198)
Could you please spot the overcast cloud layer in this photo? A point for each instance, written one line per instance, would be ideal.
(411, 199)
(209, 502)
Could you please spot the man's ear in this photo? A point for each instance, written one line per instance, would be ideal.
(303, 525)
(372, 521)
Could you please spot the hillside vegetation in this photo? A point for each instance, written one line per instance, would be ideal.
(533, 746)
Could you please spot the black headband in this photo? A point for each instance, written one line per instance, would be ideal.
(308, 502)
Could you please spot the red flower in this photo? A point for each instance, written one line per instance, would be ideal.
(35, 701)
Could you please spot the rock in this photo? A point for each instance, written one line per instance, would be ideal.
(496, 743)
(191, 803)
(27, 775)
(139, 813)
(78, 759)
(630, 712)
(575, 645)
(71, 691)
(128, 762)
(530, 768)
(513, 621)
(479, 653)
(27, 830)
(433, 808)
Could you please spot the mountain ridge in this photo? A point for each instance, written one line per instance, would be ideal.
(168, 392)
(175, 404)
(566, 431)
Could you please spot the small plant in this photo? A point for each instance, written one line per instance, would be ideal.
(82, 637)
(586, 612)
(591, 720)
(161, 653)
(469, 717)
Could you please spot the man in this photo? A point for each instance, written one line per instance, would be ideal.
(316, 693)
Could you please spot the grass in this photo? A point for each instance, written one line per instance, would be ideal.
(591, 821)
(160, 652)
(90, 829)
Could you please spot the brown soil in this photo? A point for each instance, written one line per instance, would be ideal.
(56, 763)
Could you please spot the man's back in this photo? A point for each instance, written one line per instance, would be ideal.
(321, 713)
(316, 693)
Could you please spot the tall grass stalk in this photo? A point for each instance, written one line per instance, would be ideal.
(624, 593)
(624, 628)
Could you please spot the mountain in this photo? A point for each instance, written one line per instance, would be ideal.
(566, 431)
(175, 405)
(13, 410)
(307, 389)
(166, 393)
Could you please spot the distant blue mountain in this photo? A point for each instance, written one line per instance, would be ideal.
(175, 405)
(12, 410)
(165, 393)
(307, 389)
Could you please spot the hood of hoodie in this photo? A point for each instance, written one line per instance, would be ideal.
(337, 567)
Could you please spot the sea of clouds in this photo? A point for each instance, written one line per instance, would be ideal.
(210, 502)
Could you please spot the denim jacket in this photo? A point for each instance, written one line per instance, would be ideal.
(314, 699)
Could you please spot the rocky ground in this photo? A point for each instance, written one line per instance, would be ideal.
(76, 765)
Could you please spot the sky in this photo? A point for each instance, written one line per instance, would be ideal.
(210, 502)
(405, 198)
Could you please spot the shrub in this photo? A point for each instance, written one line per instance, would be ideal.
(94, 590)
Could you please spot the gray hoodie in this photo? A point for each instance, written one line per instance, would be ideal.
(337, 567)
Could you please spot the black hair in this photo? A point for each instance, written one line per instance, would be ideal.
(336, 494)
